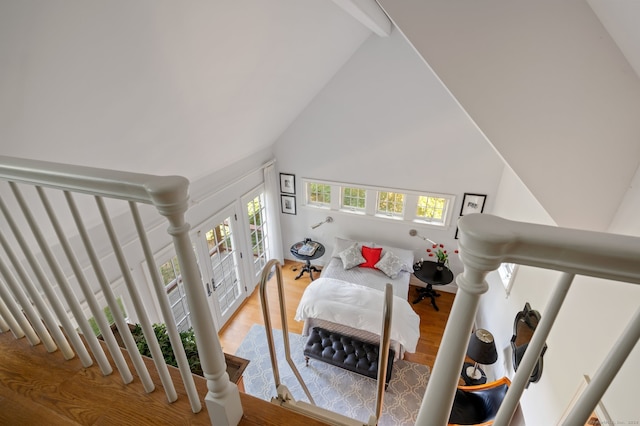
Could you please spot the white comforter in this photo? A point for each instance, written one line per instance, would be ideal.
(358, 307)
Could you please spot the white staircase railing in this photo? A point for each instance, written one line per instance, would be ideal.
(487, 241)
(26, 304)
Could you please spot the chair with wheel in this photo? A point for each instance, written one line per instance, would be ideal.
(479, 404)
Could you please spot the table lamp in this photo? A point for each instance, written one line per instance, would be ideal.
(482, 350)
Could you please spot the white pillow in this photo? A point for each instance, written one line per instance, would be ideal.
(352, 256)
(340, 245)
(390, 264)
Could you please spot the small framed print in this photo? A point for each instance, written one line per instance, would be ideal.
(472, 203)
(287, 183)
(288, 203)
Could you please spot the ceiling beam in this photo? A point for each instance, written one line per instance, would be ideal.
(369, 14)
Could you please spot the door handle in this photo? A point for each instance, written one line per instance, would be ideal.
(208, 290)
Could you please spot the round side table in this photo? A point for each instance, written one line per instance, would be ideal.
(307, 265)
(429, 273)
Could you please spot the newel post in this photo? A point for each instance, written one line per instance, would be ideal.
(223, 397)
(479, 255)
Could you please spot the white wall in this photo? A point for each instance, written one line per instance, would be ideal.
(385, 120)
(548, 86)
(594, 314)
(160, 87)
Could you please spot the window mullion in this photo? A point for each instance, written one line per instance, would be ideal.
(336, 197)
(372, 200)
(410, 206)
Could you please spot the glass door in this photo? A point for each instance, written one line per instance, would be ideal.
(256, 215)
(217, 242)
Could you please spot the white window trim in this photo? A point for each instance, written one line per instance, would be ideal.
(410, 202)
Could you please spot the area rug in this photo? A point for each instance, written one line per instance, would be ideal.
(331, 387)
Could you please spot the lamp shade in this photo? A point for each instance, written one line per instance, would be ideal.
(482, 348)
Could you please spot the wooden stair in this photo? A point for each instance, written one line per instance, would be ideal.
(37, 387)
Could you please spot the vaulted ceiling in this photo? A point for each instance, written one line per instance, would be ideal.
(193, 87)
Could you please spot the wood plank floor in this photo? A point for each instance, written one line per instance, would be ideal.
(40, 388)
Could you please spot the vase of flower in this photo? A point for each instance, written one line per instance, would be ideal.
(441, 255)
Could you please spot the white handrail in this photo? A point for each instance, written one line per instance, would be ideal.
(485, 242)
(169, 195)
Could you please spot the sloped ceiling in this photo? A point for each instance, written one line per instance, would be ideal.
(549, 88)
(162, 87)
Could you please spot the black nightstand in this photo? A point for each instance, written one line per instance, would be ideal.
(307, 266)
(430, 273)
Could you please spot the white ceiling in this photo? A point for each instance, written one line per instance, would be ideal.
(162, 86)
(549, 88)
(621, 18)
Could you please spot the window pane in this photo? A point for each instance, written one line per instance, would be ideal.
(390, 204)
(353, 198)
(431, 209)
(319, 194)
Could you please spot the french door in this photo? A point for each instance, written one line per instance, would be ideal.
(259, 238)
(219, 257)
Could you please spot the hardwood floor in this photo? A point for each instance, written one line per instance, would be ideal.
(41, 388)
(432, 322)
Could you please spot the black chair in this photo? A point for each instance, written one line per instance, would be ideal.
(479, 404)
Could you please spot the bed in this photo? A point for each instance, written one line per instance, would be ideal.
(349, 300)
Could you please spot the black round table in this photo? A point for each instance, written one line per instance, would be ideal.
(430, 273)
(307, 266)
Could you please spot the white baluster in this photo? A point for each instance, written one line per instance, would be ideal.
(606, 373)
(167, 314)
(90, 298)
(534, 349)
(63, 285)
(41, 306)
(38, 327)
(121, 324)
(4, 327)
(50, 293)
(147, 328)
(441, 389)
(11, 322)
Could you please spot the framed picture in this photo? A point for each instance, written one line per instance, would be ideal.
(288, 203)
(472, 203)
(287, 183)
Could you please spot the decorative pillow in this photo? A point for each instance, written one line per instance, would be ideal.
(372, 256)
(351, 257)
(390, 264)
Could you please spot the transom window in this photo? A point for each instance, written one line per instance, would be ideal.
(318, 194)
(431, 209)
(354, 199)
(390, 204)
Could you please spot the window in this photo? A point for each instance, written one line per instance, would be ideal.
(390, 204)
(318, 194)
(170, 272)
(354, 199)
(257, 215)
(425, 208)
(431, 209)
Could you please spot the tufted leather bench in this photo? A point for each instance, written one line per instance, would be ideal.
(346, 352)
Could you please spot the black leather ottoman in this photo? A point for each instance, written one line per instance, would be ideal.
(346, 352)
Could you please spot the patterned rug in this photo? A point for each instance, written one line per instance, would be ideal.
(331, 387)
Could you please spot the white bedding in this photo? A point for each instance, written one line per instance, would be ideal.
(368, 277)
(358, 307)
